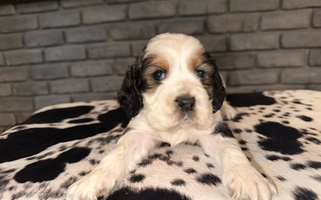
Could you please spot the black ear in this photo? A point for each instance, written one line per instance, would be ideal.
(129, 97)
(218, 91)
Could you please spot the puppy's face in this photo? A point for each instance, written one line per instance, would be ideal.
(175, 82)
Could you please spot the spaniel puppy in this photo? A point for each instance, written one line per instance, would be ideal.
(173, 93)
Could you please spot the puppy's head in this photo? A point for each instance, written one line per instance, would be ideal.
(173, 82)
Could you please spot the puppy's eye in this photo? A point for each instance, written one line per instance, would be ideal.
(200, 73)
(159, 75)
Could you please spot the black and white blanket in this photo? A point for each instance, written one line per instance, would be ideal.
(279, 131)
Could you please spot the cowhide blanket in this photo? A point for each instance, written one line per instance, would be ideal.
(280, 132)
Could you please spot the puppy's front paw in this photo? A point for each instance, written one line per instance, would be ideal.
(228, 111)
(89, 187)
(244, 182)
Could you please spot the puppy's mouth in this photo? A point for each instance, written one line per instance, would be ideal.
(187, 118)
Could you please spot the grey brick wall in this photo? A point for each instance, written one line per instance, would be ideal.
(58, 51)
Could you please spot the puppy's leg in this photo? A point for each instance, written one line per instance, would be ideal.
(239, 176)
(130, 150)
(228, 111)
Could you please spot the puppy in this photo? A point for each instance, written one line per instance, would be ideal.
(173, 93)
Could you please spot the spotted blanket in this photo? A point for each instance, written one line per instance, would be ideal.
(279, 131)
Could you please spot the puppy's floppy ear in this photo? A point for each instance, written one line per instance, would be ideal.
(218, 91)
(129, 97)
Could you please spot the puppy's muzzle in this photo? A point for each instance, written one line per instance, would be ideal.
(186, 104)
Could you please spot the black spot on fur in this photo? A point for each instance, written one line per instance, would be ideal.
(50, 169)
(79, 121)
(317, 178)
(135, 178)
(31, 141)
(300, 193)
(297, 166)
(281, 178)
(268, 115)
(209, 179)
(223, 129)
(251, 99)
(277, 134)
(196, 158)
(146, 194)
(314, 140)
(190, 171)
(178, 182)
(237, 131)
(210, 165)
(305, 118)
(275, 158)
(118, 114)
(314, 164)
(58, 114)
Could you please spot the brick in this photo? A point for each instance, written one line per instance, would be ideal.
(293, 4)
(252, 77)
(59, 19)
(138, 46)
(34, 7)
(235, 61)
(109, 50)
(8, 74)
(253, 5)
(18, 23)
(10, 104)
(315, 57)
(5, 90)
(121, 65)
(196, 7)
(282, 59)
(25, 56)
(316, 21)
(104, 14)
(189, 27)
(7, 9)
(42, 101)
(69, 86)
(138, 30)
(286, 20)
(154, 9)
(106, 84)
(79, 3)
(262, 88)
(301, 76)
(301, 39)
(22, 116)
(119, 1)
(30, 88)
(232, 23)
(49, 71)
(43, 38)
(10, 41)
(94, 96)
(214, 43)
(1, 59)
(7, 119)
(65, 53)
(92, 68)
(254, 41)
(314, 87)
(86, 34)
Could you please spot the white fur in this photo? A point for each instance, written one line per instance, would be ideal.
(161, 120)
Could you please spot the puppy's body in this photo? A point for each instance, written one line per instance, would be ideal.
(173, 94)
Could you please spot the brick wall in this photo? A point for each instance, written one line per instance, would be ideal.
(74, 50)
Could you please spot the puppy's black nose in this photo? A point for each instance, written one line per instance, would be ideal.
(186, 103)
